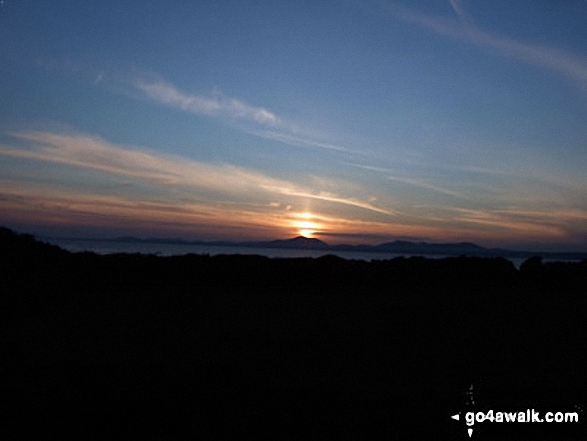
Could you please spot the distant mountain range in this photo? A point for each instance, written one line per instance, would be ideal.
(395, 247)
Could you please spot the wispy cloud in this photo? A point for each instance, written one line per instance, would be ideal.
(54, 205)
(569, 64)
(459, 10)
(298, 141)
(165, 170)
(330, 197)
(93, 153)
(410, 181)
(255, 120)
(266, 124)
(427, 186)
(504, 220)
(553, 215)
(217, 104)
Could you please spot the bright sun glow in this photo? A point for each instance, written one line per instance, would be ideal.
(306, 227)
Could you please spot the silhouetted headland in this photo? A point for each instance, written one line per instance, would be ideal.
(129, 346)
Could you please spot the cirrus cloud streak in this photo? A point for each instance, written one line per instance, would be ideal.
(88, 152)
(566, 63)
(217, 104)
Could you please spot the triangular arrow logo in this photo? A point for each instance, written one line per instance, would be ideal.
(455, 417)
(470, 432)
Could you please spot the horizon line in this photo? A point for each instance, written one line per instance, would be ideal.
(217, 241)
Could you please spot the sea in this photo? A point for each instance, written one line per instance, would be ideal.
(170, 249)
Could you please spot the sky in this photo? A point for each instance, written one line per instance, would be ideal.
(348, 121)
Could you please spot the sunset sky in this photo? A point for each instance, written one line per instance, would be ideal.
(349, 121)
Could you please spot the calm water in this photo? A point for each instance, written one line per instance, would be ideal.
(109, 247)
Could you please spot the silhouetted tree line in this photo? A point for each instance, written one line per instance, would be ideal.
(327, 348)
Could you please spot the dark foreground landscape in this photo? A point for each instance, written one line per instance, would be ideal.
(247, 347)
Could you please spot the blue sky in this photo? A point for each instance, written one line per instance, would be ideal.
(349, 121)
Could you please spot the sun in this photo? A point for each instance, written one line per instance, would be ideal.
(305, 227)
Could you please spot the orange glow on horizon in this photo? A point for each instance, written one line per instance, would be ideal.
(34, 205)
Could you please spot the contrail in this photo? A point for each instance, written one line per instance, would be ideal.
(567, 63)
